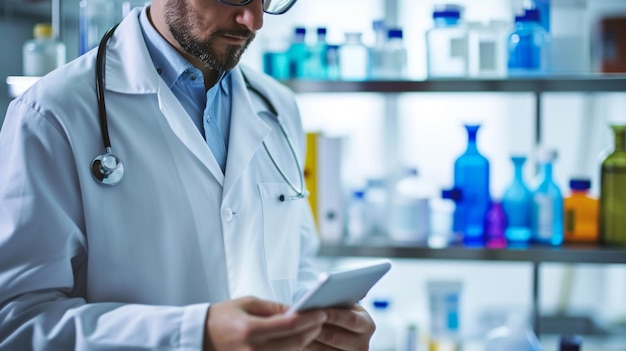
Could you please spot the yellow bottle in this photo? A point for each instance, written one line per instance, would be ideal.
(581, 213)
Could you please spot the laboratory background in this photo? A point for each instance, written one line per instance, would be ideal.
(467, 141)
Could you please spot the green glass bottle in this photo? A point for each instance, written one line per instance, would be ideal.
(613, 192)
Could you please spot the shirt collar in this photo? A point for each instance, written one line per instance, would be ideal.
(168, 62)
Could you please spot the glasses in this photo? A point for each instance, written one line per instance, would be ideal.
(272, 7)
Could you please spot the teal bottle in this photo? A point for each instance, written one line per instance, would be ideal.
(471, 177)
(517, 202)
(547, 221)
(298, 54)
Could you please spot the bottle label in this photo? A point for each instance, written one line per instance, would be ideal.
(545, 216)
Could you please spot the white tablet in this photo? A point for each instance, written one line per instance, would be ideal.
(342, 288)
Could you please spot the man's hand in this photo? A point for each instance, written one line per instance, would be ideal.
(249, 323)
(345, 329)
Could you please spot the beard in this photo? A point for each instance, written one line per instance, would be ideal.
(180, 20)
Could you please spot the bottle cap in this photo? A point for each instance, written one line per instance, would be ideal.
(394, 33)
(42, 30)
(452, 194)
(545, 155)
(321, 30)
(300, 30)
(358, 194)
(452, 11)
(570, 343)
(528, 15)
(580, 184)
(382, 304)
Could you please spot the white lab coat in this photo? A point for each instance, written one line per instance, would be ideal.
(135, 266)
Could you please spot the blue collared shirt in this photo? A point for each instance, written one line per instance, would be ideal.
(210, 110)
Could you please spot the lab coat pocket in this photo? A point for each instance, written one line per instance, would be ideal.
(281, 237)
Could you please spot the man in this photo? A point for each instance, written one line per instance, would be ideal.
(205, 239)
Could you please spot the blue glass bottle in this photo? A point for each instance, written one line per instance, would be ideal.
(528, 45)
(547, 220)
(471, 176)
(317, 63)
(517, 203)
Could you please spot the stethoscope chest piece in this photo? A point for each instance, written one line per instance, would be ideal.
(107, 169)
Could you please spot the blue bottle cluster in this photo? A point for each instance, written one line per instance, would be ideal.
(522, 216)
(352, 59)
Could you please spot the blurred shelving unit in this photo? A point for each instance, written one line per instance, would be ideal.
(535, 255)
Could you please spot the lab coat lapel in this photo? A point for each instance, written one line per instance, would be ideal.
(181, 124)
(127, 72)
(247, 131)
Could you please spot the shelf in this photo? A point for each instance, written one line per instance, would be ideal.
(566, 254)
(580, 83)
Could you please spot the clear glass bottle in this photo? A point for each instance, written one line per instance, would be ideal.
(581, 213)
(528, 45)
(353, 57)
(395, 55)
(517, 205)
(446, 43)
(298, 54)
(471, 176)
(376, 59)
(613, 192)
(547, 222)
(95, 18)
(43, 53)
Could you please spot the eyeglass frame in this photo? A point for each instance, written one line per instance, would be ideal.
(246, 2)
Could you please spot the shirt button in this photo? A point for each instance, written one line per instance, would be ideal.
(192, 76)
(227, 214)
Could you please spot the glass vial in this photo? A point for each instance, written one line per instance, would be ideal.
(95, 18)
(581, 213)
(43, 53)
(613, 192)
(528, 45)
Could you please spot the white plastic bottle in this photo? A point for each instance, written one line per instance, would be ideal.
(43, 53)
(409, 218)
(357, 217)
(384, 338)
(514, 335)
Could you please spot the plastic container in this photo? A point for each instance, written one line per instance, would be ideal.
(446, 43)
(547, 222)
(377, 208)
(353, 57)
(443, 307)
(357, 217)
(43, 53)
(581, 213)
(613, 191)
(384, 338)
(95, 18)
(528, 45)
(410, 209)
(517, 205)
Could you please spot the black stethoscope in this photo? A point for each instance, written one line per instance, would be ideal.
(108, 169)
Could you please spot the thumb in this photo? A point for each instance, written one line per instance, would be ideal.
(259, 307)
